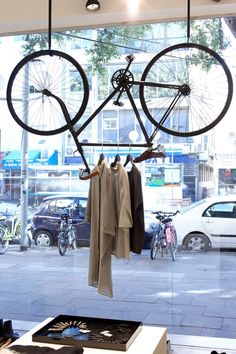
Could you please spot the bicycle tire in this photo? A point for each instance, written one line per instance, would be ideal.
(73, 242)
(62, 244)
(205, 87)
(173, 244)
(4, 243)
(154, 246)
(56, 72)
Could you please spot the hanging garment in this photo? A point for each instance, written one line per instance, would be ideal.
(118, 217)
(136, 198)
(100, 244)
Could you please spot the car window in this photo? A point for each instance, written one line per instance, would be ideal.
(221, 210)
(52, 206)
(60, 206)
(80, 207)
(64, 205)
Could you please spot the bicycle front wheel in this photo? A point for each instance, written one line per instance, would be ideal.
(154, 246)
(186, 89)
(73, 239)
(47, 71)
(62, 244)
(173, 244)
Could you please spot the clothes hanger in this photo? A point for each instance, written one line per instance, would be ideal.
(84, 175)
(150, 153)
(116, 160)
(101, 159)
(129, 158)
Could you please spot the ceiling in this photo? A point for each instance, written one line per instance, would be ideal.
(29, 16)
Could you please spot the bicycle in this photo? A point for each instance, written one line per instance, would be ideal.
(185, 90)
(67, 234)
(176, 93)
(10, 232)
(165, 236)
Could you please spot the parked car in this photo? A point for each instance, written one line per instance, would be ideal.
(210, 222)
(46, 221)
(45, 225)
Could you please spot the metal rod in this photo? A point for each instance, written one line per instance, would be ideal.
(49, 24)
(116, 145)
(188, 20)
(84, 125)
(137, 115)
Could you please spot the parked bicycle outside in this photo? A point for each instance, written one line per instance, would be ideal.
(67, 234)
(10, 231)
(165, 237)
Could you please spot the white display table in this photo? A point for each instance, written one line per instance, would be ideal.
(150, 340)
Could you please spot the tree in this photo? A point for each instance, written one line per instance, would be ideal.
(209, 32)
(110, 43)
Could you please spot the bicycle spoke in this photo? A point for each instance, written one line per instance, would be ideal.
(205, 89)
(58, 73)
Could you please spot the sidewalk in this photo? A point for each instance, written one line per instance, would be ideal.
(195, 295)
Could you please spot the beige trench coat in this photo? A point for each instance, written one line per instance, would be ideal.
(118, 219)
(100, 245)
(109, 213)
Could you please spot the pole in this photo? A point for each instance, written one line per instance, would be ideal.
(24, 169)
(188, 20)
(24, 190)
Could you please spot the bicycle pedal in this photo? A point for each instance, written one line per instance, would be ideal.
(118, 103)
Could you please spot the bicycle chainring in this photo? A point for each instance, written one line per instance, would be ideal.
(124, 77)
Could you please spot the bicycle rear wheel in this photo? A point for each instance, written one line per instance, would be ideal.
(41, 72)
(194, 93)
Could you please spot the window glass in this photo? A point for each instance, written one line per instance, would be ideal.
(221, 210)
(189, 296)
(63, 205)
(52, 206)
(80, 208)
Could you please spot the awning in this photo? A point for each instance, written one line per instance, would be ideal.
(13, 159)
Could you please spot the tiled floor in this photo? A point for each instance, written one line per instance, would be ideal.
(196, 318)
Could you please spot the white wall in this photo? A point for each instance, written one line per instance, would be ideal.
(27, 15)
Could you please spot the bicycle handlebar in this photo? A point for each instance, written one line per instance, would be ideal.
(165, 214)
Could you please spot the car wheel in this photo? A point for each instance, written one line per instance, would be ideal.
(197, 243)
(43, 239)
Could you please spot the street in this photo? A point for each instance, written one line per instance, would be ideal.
(195, 295)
